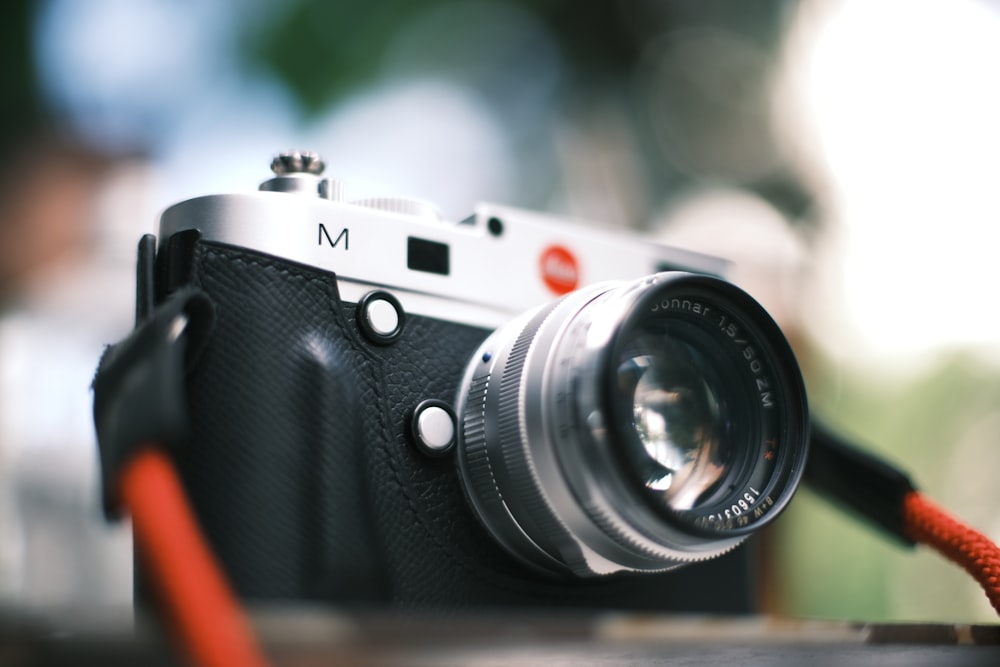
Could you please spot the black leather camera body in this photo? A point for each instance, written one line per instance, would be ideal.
(393, 409)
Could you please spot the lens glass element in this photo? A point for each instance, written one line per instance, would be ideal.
(684, 441)
(676, 417)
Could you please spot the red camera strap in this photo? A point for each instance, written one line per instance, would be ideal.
(205, 615)
(925, 522)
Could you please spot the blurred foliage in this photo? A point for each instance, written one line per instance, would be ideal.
(835, 566)
(323, 50)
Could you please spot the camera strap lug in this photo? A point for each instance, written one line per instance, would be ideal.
(139, 388)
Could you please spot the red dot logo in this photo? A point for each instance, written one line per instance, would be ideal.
(559, 269)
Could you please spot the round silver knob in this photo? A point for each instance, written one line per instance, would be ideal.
(298, 162)
(298, 172)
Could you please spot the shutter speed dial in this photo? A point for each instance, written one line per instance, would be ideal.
(299, 172)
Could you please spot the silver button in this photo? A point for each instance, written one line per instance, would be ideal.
(382, 316)
(433, 428)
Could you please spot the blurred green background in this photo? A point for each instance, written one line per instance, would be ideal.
(843, 153)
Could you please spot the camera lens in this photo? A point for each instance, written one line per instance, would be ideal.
(632, 426)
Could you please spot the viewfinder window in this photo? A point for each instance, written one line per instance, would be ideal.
(427, 256)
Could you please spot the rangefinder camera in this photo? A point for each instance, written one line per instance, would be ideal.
(512, 409)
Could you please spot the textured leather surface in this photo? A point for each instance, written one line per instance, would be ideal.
(303, 478)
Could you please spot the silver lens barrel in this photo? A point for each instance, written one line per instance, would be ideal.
(632, 426)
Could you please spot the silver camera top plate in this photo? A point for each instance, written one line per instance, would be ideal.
(481, 271)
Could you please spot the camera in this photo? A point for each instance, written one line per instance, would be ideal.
(508, 410)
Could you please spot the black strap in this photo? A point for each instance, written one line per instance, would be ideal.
(139, 392)
(858, 480)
